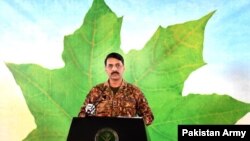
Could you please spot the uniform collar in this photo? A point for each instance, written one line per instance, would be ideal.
(124, 83)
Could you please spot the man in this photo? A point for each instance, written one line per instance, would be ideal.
(116, 97)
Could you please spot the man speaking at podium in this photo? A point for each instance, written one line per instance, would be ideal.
(116, 97)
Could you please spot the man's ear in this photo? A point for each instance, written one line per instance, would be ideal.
(105, 69)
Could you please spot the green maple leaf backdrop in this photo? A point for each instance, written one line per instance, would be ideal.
(55, 96)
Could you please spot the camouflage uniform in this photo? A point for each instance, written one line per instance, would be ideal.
(128, 101)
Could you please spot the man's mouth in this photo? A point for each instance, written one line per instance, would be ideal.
(114, 73)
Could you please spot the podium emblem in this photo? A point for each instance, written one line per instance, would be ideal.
(106, 134)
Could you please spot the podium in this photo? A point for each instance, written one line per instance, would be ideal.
(107, 129)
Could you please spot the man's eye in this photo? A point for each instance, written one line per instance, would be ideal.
(118, 66)
(110, 66)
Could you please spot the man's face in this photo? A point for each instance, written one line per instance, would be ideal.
(114, 69)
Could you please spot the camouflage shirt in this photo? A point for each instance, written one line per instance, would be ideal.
(128, 101)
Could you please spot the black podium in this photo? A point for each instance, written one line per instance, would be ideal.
(107, 129)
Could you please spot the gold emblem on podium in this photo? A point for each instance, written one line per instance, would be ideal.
(106, 134)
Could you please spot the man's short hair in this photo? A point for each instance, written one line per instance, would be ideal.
(114, 55)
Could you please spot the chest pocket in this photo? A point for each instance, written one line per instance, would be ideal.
(128, 102)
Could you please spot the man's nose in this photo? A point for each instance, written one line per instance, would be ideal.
(114, 68)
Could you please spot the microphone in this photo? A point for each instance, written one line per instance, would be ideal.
(90, 109)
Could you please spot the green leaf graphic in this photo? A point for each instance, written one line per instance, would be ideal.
(54, 97)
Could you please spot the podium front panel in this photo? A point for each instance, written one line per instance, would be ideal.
(107, 128)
